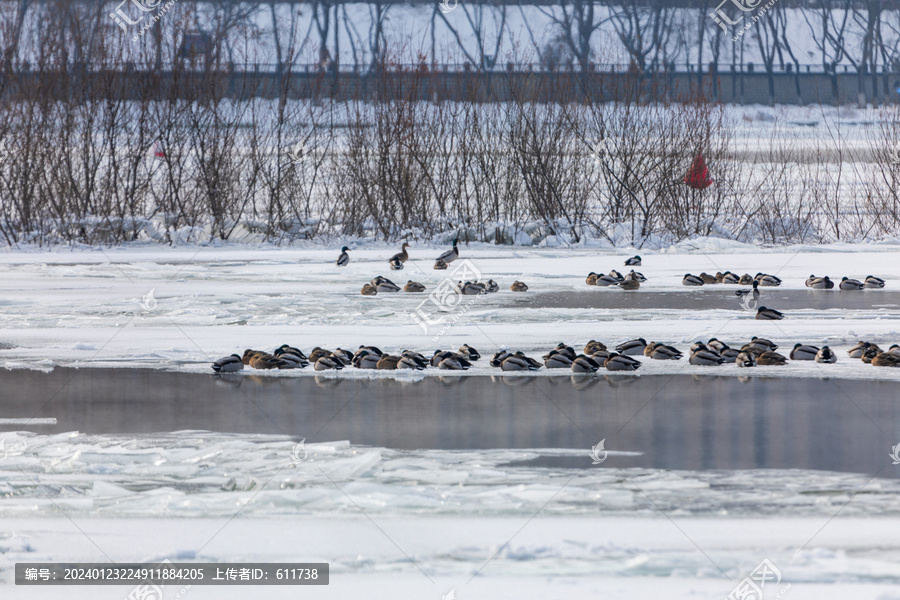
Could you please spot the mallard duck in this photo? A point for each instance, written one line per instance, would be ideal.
(825, 355)
(410, 362)
(440, 265)
(634, 261)
(594, 346)
(388, 287)
(413, 286)
(629, 283)
(600, 355)
(557, 360)
(452, 363)
(873, 282)
(771, 359)
(730, 278)
(606, 280)
(469, 352)
(616, 275)
(691, 280)
(369, 349)
(767, 280)
(369, 290)
(387, 362)
(565, 349)
(473, 288)
(498, 358)
(663, 352)
(745, 279)
(618, 362)
(518, 286)
(249, 354)
(440, 355)
(803, 352)
(857, 350)
(745, 359)
(716, 345)
(363, 359)
(344, 259)
(591, 278)
(290, 349)
(706, 357)
(317, 353)
(819, 283)
(895, 350)
(395, 264)
(708, 279)
(296, 362)
(327, 363)
(450, 255)
(695, 347)
(870, 353)
(401, 257)
(848, 284)
(415, 355)
(762, 343)
(585, 364)
(492, 286)
(886, 359)
(519, 362)
(729, 354)
(638, 276)
(754, 291)
(632, 347)
(720, 277)
(265, 361)
(768, 314)
(345, 356)
(229, 364)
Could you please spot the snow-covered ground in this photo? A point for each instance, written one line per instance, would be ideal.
(95, 308)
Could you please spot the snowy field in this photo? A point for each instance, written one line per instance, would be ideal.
(422, 523)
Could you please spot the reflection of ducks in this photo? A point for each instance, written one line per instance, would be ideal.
(229, 364)
(691, 280)
(768, 314)
(344, 259)
(873, 282)
(327, 383)
(514, 381)
(848, 284)
(413, 286)
(518, 286)
(825, 355)
(634, 261)
(803, 352)
(583, 383)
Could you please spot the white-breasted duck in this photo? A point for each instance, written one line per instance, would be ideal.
(228, 364)
(634, 261)
(767, 280)
(619, 362)
(344, 259)
(804, 352)
(450, 255)
(632, 347)
(873, 282)
(849, 285)
(768, 314)
(692, 280)
(585, 364)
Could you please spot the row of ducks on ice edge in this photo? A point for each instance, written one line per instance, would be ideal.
(757, 351)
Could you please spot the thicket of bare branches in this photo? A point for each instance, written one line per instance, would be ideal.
(106, 165)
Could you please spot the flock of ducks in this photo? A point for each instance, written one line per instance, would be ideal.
(466, 288)
(396, 261)
(757, 352)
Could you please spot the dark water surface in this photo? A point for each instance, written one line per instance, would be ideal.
(677, 421)
(713, 297)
